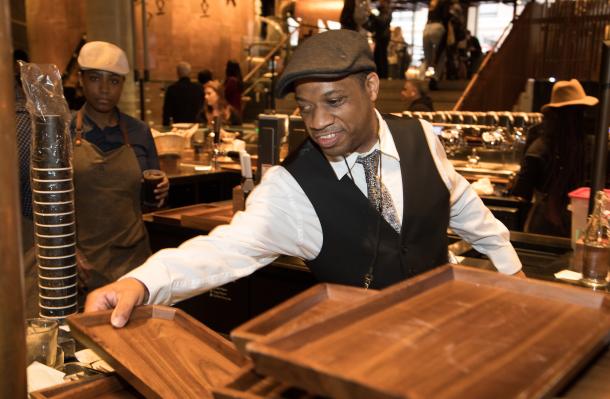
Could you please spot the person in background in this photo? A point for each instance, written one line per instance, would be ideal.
(397, 54)
(23, 124)
(474, 52)
(414, 94)
(557, 161)
(233, 85)
(379, 25)
(183, 98)
(204, 76)
(111, 150)
(434, 38)
(456, 33)
(355, 14)
(216, 105)
(323, 203)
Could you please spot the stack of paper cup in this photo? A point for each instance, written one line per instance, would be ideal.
(55, 230)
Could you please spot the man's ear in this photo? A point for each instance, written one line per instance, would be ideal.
(371, 83)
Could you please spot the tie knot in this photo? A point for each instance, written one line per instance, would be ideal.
(370, 161)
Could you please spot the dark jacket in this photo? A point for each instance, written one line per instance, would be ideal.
(183, 100)
(422, 104)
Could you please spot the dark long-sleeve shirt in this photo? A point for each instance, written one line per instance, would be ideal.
(183, 101)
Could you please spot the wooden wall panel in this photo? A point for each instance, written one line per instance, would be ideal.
(183, 34)
(54, 28)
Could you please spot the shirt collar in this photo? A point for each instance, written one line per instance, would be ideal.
(89, 124)
(385, 144)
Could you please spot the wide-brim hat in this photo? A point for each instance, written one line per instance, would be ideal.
(333, 54)
(103, 56)
(569, 92)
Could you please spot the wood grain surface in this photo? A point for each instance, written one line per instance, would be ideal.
(99, 387)
(162, 351)
(174, 216)
(250, 385)
(309, 307)
(207, 219)
(453, 332)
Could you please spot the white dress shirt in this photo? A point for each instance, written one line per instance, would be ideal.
(280, 220)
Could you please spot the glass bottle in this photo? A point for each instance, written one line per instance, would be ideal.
(596, 253)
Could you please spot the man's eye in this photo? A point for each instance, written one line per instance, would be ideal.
(335, 102)
(305, 108)
(115, 81)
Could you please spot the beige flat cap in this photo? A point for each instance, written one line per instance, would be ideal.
(103, 56)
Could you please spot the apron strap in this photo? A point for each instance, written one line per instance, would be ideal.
(123, 128)
(79, 127)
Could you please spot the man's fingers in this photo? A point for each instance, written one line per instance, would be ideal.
(127, 300)
(122, 295)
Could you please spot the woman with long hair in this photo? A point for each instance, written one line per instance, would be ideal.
(557, 161)
(216, 105)
(234, 85)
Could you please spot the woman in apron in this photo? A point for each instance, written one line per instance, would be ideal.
(111, 150)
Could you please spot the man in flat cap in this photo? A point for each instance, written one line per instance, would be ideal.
(111, 150)
(366, 201)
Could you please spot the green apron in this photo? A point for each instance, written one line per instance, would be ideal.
(109, 227)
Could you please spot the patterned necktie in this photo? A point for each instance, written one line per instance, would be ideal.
(378, 194)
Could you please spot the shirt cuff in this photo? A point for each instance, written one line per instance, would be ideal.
(505, 260)
(155, 277)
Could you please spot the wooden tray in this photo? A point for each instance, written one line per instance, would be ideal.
(453, 332)
(249, 385)
(174, 216)
(162, 351)
(99, 387)
(207, 219)
(304, 309)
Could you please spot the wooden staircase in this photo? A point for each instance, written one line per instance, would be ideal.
(389, 97)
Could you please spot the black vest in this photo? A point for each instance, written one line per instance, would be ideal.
(349, 221)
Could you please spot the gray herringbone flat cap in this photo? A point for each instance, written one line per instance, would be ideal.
(329, 55)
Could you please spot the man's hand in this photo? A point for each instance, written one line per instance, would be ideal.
(122, 295)
(162, 191)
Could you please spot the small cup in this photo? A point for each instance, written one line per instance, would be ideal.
(152, 178)
(56, 261)
(60, 312)
(56, 272)
(55, 231)
(57, 292)
(52, 174)
(41, 341)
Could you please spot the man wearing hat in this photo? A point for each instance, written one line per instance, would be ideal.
(111, 149)
(557, 161)
(366, 201)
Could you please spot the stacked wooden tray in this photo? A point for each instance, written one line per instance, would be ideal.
(99, 387)
(162, 351)
(201, 216)
(307, 308)
(453, 332)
